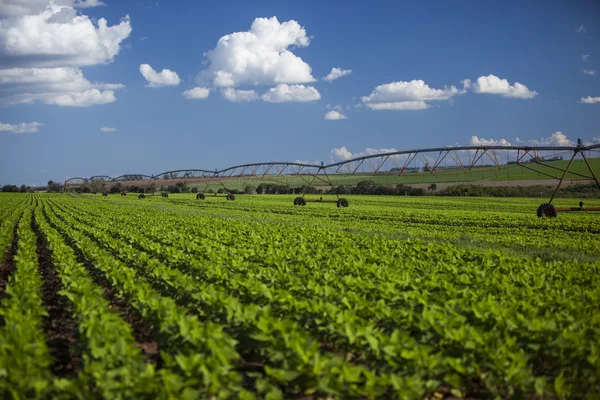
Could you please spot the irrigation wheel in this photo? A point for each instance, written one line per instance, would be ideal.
(547, 210)
(230, 196)
(342, 202)
(141, 196)
(164, 194)
(200, 196)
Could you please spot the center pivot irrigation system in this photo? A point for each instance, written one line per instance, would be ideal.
(448, 164)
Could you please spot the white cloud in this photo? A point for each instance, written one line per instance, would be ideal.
(237, 95)
(399, 105)
(16, 8)
(589, 100)
(59, 37)
(291, 93)
(166, 77)
(589, 72)
(342, 153)
(88, 3)
(476, 141)
(53, 86)
(557, 139)
(42, 46)
(585, 57)
(23, 127)
(83, 99)
(196, 93)
(334, 115)
(107, 129)
(337, 73)
(405, 95)
(260, 56)
(316, 162)
(493, 85)
(580, 29)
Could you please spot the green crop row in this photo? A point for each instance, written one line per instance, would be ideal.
(389, 298)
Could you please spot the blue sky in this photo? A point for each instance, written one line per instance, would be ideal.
(422, 74)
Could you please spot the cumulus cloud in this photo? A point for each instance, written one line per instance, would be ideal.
(589, 72)
(580, 29)
(58, 36)
(62, 86)
(585, 57)
(589, 100)
(337, 73)
(196, 93)
(556, 139)
(83, 99)
(16, 8)
(107, 129)
(43, 45)
(237, 95)
(291, 93)
(260, 56)
(166, 77)
(342, 153)
(399, 105)
(477, 141)
(88, 3)
(23, 127)
(334, 115)
(493, 85)
(405, 95)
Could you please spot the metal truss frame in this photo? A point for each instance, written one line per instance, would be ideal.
(427, 161)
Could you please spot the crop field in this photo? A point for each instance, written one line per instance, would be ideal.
(393, 297)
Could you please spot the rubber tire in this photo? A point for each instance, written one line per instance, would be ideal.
(200, 196)
(141, 196)
(164, 194)
(301, 201)
(297, 201)
(123, 194)
(547, 210)
(231, 196)
(104, 194)
(342, 202)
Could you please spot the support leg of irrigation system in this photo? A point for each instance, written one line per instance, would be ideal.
(562, 178)
(590, 168)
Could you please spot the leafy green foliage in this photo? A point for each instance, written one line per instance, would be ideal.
(259, 298)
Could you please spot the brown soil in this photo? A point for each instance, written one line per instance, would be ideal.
(142, 332)
(60, 327)
(8, 262)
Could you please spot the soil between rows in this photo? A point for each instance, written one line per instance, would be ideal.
(60, 327)
(8, 262)
(142, 332)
